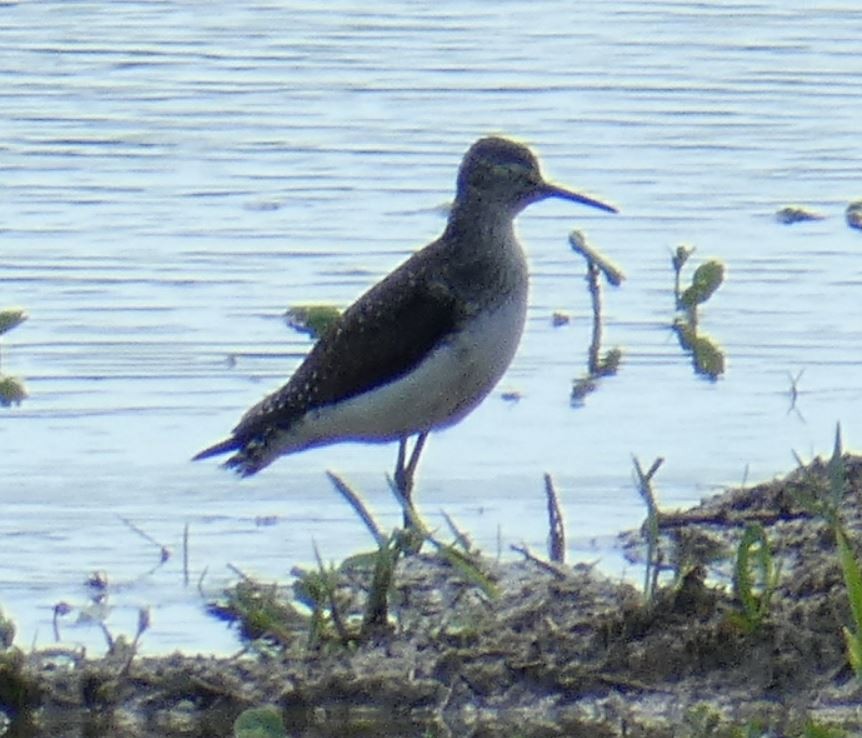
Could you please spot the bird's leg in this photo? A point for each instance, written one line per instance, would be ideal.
(404, 472)
(400, 471)
(414, 457)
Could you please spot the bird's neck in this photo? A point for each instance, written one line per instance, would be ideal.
(474, 221)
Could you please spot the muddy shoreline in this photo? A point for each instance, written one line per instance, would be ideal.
(553, 651)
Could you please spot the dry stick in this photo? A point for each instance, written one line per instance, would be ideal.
(728, 518)
(556, 526)
(239, 572)
(596, 264)
(579, 245)
(358, 507)
(143, 625)
(645, 488)
(461, 538)
(548, 566)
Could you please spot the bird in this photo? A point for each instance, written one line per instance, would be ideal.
(419, 350)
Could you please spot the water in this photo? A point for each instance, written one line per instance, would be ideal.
(175, 175)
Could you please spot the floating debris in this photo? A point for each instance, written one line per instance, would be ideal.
(263, 206)
(559, 319)
(795, 214)
(854, 214)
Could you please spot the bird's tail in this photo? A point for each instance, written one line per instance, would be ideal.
(222, 447)
(253, 454)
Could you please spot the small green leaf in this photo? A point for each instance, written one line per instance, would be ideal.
(706, 280)
(815, 730)
(835, 471)
(468, 569)
(854, 651)
(314, 320)
(12, 391)
(852, 576)
(10, 318)
(259, 722)
(755, 576)
(708, 357)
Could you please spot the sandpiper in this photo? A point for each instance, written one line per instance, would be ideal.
(423, 347)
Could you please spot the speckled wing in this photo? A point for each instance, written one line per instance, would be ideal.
(374, 342)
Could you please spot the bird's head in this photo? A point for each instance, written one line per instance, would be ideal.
(501, 172)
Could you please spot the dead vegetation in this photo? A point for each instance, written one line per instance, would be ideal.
(541, 651)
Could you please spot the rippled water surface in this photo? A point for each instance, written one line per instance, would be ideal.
(176, 174)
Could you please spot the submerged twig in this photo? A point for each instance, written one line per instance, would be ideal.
(579, 245)
(164, 551)
(596, 266)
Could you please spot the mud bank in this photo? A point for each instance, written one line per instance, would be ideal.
(559, 651)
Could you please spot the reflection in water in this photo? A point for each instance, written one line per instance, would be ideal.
(597, 366)
(706, 356)
(795, 214)
(854, 214)
(12, 390)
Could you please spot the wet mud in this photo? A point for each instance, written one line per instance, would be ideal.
(554, 650)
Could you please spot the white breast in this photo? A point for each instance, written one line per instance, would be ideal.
(441, 390)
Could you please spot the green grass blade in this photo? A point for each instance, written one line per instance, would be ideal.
(852, 577)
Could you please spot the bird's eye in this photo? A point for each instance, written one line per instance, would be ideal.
(508, 168)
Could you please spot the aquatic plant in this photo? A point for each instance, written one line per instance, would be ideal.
(755, 578)
(597, 365)
(707, 357)
(827, 505)
(313, 320)
(650, 528)
(12, 390)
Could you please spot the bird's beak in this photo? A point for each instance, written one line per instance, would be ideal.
(552, 190)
